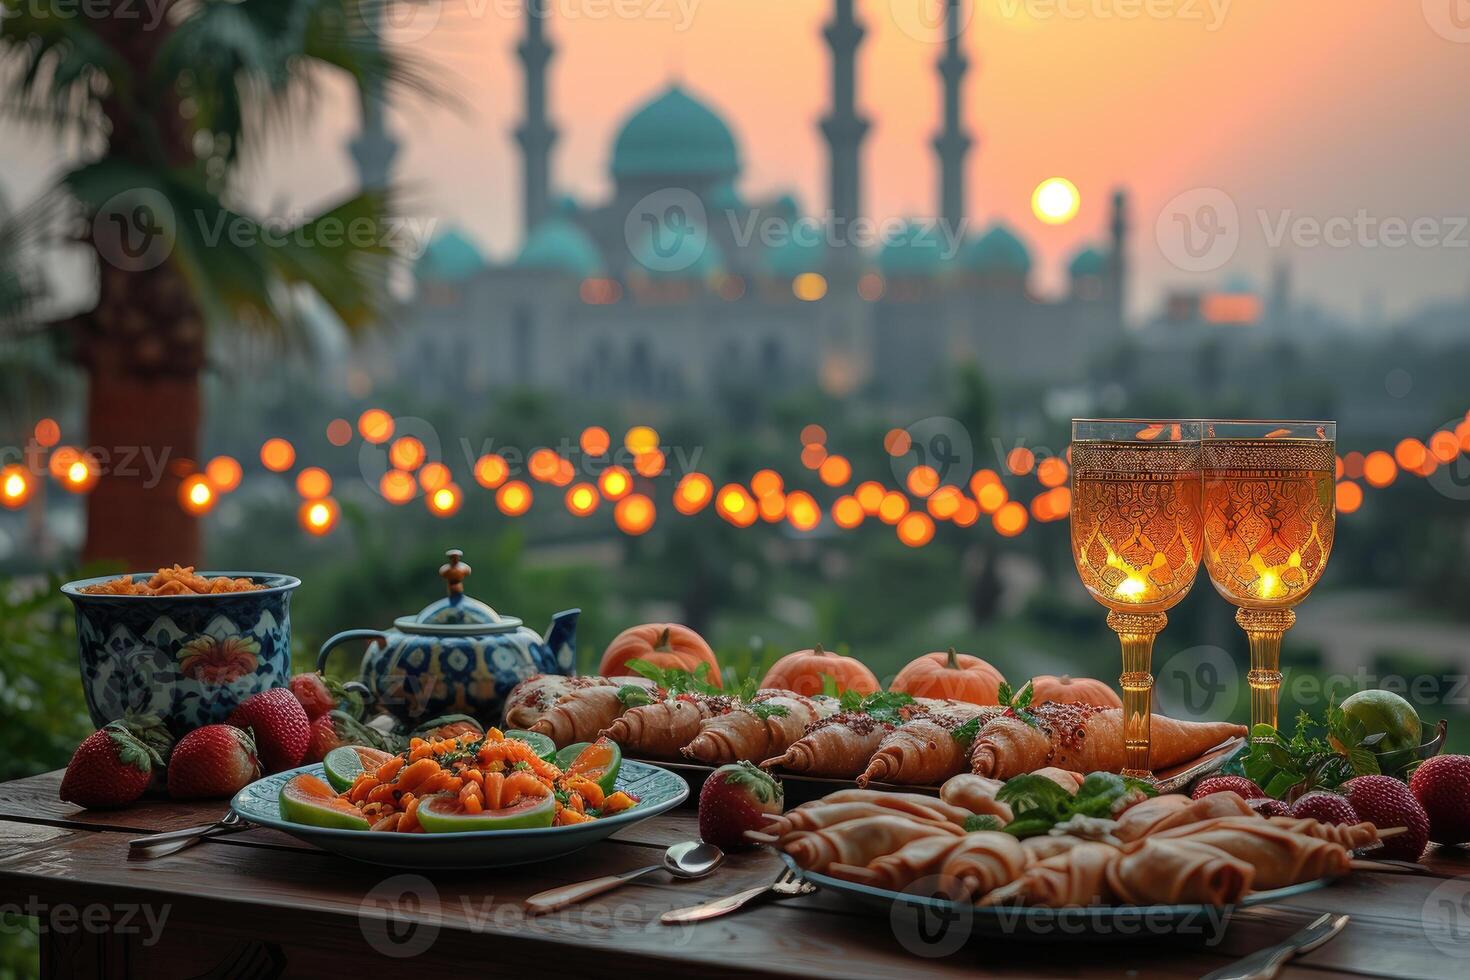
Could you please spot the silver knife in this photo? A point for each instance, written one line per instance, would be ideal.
(1268, 962)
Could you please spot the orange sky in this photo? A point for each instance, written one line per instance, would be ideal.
(1311, 107)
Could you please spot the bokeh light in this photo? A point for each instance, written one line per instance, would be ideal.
(766, 482)
(992, 497)
(582, 499)
(595, 440)
(1349, 497)
(339, 432)
(892, 507)
(277, 455)
(809, 287)
(543, 464)
(1444, 446)
(1410, 454)
(318, 517)
(445, 501)
(922, 480)
(802, 511)
(196, 496)
(224, 473)
(491, 470)
(847, 512)
(735, 505)
(375, 426)
(916, 529)
(835, 471)
(1051, 471)
(634, 514)
(813, 434)
(772, 507)
(1020, 461)
(1379, 469)
(615, 482)
(813, 455)
(1011, 519)
(869, 496)
(641, 439)
(15, 486)
(944, 503)
(693, 493)
(897, 442)
(434, 476)
(406, 453)
(81, 474)
(649, 464)
(47, 433)
(398, 487)
(513, 498)
(313, 483)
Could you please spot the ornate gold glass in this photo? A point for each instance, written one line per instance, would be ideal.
(1270, 513)
(1136, 540)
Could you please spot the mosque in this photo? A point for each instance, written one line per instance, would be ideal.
(660, 292)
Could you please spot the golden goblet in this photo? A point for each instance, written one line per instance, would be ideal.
(1270, 513)
(1136, 530)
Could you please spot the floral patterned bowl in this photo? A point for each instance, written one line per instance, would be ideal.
(189, 660)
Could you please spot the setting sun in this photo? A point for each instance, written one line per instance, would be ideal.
(1055, 201)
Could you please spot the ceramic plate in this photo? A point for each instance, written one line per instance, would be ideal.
(656, 789)
(1090, 923)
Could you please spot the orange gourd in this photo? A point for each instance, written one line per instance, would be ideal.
(666, 645)
(950, 675)
(804, 671)
(1074, 690)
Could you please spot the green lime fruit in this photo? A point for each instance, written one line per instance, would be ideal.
(440, 814)
(308, 800)
(1384, 711)
(598, 761)
(346, 762)
(543, 745)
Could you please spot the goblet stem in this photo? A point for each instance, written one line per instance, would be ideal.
(1264, 629)
(1136, 632)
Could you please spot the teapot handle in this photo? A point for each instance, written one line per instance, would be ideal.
(343, 637)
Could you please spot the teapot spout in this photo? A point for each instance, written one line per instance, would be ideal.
(561, 637)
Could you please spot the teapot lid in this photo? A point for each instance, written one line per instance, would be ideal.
(457, 612)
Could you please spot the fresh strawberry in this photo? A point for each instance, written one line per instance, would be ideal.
(1386, 802)
(110, 768)
(1442, 786)
(212, 762)
(1238, 785)
(278, 724)
(1268, 807)
(324, 738)
(1324, 807)
(736, 798)
(311, 690)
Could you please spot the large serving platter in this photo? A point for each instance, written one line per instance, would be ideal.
(1091, 923)
(657, 790)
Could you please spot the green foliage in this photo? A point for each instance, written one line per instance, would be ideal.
(40, 689)
(1038, 803)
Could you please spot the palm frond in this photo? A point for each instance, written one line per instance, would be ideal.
(53, 65)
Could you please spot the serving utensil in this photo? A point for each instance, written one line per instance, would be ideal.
(1265, 964)
(785, 885)
(686, 859)
(173, 841)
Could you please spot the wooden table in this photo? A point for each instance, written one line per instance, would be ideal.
(261, 904)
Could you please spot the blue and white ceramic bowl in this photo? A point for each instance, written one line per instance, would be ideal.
(188, 659)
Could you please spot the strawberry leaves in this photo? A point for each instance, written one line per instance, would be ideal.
(1018, 704)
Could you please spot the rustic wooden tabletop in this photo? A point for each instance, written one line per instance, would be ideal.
(262, 904)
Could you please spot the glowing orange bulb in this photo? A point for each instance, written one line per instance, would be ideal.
(869, 496)
(397, 487)
(1409, 454)
(513, 499)
(375, 425)
(491, 471)
(944, 503)
(847, 512)
(968, 513)
(772, 507)
(802, 511)
(634, 514)
(767, 481)
(582, 499)
(835, 471)
(224, 472)
(693, 494)
(1379, 469)
(1445, 446)
(318, 517)
(78, 476)
(981, 479)
(543, 464)
(892, 508)
(1041, 507)
(1349, 497)
(897, 442)
(48, 433)
(313, 482)
(916, 529)
(1020, 460)
(195, 494)
(649, 464)
(277, 455)
(1462, 433)
(1052, 471)
(1011, 519)
(406, 453)
(565, 472)
(813, 455)
(736, 506)
(992, 497)
(615, 482)
(641, 439)
(339, 432)
(434, 476)
(61, 460)
(15, 486)
(445, 501)
(922, 480)
(813, 435)
(1352, 466)
(595, 440)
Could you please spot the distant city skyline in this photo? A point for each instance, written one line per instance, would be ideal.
(1303, 119)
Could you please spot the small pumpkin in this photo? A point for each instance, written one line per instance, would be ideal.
(666, 645)
(950, 675)
(1073, 690)
(804, 672)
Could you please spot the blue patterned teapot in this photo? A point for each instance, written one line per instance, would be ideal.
(457, 656)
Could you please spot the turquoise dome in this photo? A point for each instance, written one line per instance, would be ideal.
(560, 245)
(702, 261)
(1088, 262)
(726, 198)
(449, 257)
(998, 250)
(916, 251)
(675, 134)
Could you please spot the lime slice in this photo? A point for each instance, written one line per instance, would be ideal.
(345, 763)
(566, 755)
(543, 744)
(440, 814)
(306, 799)
(598, 761)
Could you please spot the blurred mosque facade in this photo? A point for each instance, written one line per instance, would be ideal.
(595, 302)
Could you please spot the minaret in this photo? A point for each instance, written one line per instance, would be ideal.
(536, 134)
(843, 128)
(953, 143)
(374, 148)
(1117, 283)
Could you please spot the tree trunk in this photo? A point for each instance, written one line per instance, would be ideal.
(148, 427)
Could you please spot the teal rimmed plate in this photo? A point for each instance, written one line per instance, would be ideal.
(656, 789)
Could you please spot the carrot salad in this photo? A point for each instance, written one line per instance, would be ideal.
(487, 772)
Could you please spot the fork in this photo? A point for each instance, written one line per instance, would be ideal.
(787, 884)
(160, 845)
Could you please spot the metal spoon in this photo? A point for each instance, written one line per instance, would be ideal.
(159, 845)
(686, 859)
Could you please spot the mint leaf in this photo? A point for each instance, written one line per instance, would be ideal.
(1030, 793)
(1363, 761)
(982, 821)
(673, 680)
(965, 734)
(1003, 694)
(1023, 697)
(764, 711)
(850, 701)
(886, 706)
(634, 696)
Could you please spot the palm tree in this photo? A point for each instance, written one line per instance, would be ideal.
(165, 108)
